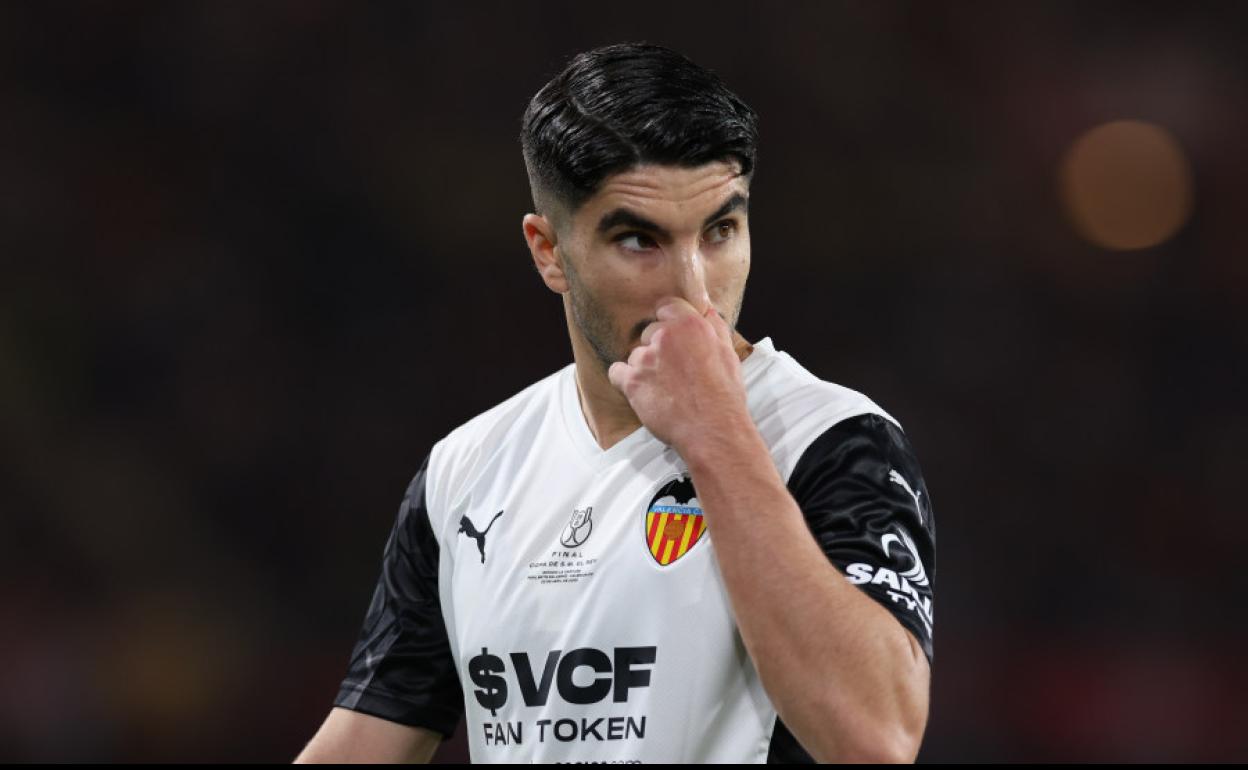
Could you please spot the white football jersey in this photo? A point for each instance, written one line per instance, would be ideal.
(565, 601)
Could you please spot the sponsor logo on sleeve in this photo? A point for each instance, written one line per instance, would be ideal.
(909, 586)
(897, 479)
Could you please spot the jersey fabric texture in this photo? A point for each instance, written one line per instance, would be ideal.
(565, 600)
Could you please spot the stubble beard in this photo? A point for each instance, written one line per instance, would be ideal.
(592, 321)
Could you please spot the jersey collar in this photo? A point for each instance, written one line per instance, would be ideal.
(577, 427)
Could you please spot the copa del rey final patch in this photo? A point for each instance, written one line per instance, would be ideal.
(674, 521)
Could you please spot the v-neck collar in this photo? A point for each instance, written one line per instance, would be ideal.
(577, 426)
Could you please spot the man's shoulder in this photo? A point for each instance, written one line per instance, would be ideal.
(793, 407)
(465, 446)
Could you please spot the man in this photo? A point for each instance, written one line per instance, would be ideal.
(681, 547)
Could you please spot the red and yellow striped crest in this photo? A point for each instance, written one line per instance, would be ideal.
(674, 520)
(670, 534)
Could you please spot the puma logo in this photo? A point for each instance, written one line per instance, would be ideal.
(897, 479)
(466, 528)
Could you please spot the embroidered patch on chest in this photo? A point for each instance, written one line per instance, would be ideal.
(673, 520)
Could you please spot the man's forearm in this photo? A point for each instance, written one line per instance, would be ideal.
(355, 737)
(847, 679)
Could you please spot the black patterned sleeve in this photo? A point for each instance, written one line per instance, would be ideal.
(402, 669)
(859, 486)
(862, 493)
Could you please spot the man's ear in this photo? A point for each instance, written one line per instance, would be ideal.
(540, 234)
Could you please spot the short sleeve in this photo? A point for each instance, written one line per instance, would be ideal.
(402, 669)
(862, 493)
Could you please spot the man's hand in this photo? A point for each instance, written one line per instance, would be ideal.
(684, 379)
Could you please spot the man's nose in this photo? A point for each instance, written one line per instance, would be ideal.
(690, 277)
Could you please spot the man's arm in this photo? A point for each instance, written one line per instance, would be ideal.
(846, 678)
(352, 737)
(401, 692)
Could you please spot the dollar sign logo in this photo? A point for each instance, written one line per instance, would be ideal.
(485, 670)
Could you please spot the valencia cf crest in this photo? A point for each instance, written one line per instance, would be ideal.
(673, 520)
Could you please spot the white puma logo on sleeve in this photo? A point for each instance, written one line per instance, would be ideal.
(897, 479)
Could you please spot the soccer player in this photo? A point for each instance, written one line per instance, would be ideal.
(682, 546)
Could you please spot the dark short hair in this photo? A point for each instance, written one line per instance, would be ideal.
(622, 105)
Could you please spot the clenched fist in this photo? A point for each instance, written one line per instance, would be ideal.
(684, 379)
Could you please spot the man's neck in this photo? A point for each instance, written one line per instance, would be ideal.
(606, 410)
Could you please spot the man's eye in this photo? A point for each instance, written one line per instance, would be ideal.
(643, 241)
(723, 230)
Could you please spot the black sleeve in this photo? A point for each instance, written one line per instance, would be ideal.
(860, 489)
(402, 669)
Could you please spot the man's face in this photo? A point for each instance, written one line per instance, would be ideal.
(651, 232)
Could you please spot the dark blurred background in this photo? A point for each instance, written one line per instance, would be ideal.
(255, 258)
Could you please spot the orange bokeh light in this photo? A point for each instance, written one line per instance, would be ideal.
(1126, 185)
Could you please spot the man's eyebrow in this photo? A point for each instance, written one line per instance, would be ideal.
(737, 201)
(623, 216)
